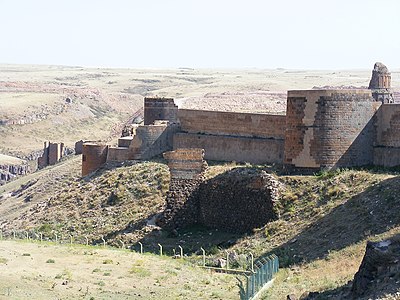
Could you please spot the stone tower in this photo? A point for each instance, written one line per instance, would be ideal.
(380, 84)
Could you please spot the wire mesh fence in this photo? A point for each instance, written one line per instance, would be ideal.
(265, 268)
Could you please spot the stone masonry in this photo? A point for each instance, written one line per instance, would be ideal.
(237, 201)
(322, 129)
(380, 84)
(52, 153)
(187, 168)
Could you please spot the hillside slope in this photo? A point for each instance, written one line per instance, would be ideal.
(324, 223)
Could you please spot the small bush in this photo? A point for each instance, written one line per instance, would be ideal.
(3, 260)
(50, 261)
(141, 272)
(107, 262)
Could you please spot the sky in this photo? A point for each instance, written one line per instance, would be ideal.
(293, 34)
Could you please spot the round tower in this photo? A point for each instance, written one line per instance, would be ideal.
(329, 129)
(93, 157)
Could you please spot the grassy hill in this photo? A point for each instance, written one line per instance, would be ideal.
(325, 219)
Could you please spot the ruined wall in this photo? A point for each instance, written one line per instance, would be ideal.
(236, 201)
(52, 153)
(231, 148)
(159, 109)
(152, 140)
(387, 145)
(187, 168)
(329, 128)
(232, 124)
(93, 157)
(55, 152)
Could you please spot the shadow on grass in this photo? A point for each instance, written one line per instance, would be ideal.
(371, 212)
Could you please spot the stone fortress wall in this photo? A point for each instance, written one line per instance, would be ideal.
(322, 129)
(229, 136)
(330, 128)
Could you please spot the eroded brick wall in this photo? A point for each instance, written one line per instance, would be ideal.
(52, 153)
(152, 140)
(330, 128)
(236, 201)
(187, 168)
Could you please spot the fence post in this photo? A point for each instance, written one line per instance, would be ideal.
(14, 234)
(252, 261)
(87, 241)
(56, 237)
(122, 243)
(1, 234)
(104, 241)
(204, 256)
(227, 260)
(41, 236)
(70, 239)
(141, 247)
(180, 247)
(160, 249)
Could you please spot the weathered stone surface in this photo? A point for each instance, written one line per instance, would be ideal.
(380, 84)
(380, 77)
(9, 172)
(159, 109)
(330, 128)
(380, 266)
(237, 201)
(52, 153)
(187, 173)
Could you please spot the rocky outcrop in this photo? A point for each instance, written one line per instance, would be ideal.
(379, 270)
(9, 172)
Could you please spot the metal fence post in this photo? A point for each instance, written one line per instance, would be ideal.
(160, 249)
(227, 260)
(180, 247)
(141, 247)
(252, 261)
(204, 256)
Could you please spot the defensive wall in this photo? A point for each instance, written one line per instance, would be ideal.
(322, 129)
(330, 128)
(229, 136)
(387, 144)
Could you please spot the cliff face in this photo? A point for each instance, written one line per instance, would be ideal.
(9, 172)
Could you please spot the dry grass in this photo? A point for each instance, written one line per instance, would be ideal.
(79, 272)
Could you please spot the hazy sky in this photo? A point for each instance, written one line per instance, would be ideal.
(306, 34)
